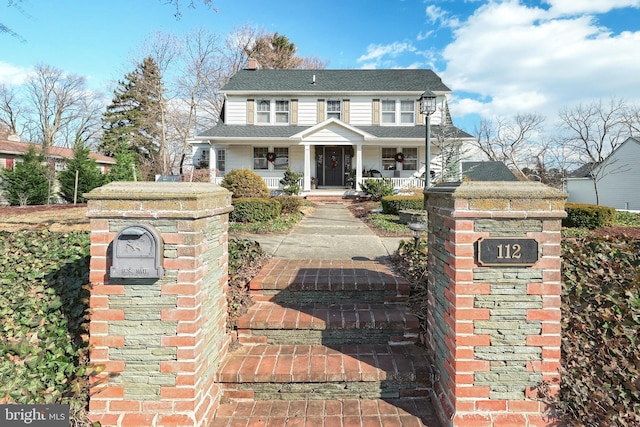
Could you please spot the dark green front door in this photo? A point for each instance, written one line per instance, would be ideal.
(333, 166)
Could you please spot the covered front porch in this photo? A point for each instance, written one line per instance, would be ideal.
(399, 184)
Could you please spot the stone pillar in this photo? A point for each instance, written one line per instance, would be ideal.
(494, 300)
(159, 339)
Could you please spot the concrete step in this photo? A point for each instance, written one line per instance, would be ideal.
(327, 324)
(328, 281)
(293, 372)
(407, 412)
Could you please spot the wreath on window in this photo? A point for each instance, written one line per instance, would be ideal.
(399, 157)
(271, 157)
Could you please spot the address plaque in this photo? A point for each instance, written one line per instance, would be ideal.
(507, 252)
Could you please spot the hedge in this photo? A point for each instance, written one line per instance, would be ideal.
(254, 209)
(394, 204)
(290, 204)
(588, 216)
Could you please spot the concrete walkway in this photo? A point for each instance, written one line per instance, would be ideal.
(329, 232)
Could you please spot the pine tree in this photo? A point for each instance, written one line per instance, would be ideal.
(89, 175)
(124, 168)
(134, 119)
(27, 183)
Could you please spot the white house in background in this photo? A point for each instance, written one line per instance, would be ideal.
(617, 178)
(333, 126)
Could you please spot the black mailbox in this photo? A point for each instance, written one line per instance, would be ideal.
(137, 253)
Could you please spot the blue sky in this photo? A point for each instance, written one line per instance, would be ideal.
(498, 57)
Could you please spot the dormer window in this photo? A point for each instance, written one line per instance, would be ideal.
(334, 109)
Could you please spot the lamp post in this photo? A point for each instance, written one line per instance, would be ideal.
(417, 228)
(427, 108)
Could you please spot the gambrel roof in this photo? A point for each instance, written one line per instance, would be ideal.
(344, 81)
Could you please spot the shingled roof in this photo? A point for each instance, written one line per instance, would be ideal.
(299, 81)
(243, 131)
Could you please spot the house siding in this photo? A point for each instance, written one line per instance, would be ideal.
(618, 183)
(360, 112)
(236, 111)
(307, 111)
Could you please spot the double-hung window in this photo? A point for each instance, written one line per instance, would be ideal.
(260, 158)
(282, 112)
(410, 162)
(389, 159)
(388, 108)
(221, 160)
(333, 109)
(282, 158)
(263, 111)
(407, 112)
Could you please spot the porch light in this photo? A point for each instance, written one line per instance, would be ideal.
(417, 228)
(427, 108)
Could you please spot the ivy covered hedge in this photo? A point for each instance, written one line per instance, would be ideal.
(600, 382)
(44, 319)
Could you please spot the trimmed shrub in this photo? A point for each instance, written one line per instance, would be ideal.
(244, 183)
(291, 182)
(394, 204)
(588, 216)
(254, 210)
(290, 204)
(600, 340)
(376, 189)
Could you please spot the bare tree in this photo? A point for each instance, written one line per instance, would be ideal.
(56, 100)
(509, 140)
(11, 110)
(593, 131)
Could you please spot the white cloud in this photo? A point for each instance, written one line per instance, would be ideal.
(12, 75)
(512, 58)
(574, 7)
(377, 52)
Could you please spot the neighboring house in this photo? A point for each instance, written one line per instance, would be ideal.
(333, 126)
(12, 151)
(487, 171)
(617, 178)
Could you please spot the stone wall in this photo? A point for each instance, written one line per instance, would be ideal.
(493, 331)
(160, 340)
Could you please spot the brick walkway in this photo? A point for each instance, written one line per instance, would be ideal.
(328, 343)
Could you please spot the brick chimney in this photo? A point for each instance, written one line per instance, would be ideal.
(253, 64)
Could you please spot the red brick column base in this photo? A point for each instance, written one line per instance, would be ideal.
(493, 331)
(159, 340)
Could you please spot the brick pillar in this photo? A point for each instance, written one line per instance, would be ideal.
(493, 331)
(159, 340)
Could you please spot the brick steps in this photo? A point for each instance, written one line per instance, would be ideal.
(316, 371)
(319, 323)
(416, 412)
(327, 342)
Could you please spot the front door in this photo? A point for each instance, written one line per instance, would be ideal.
(333, 166)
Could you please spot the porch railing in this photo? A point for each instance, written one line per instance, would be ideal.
(273, 183)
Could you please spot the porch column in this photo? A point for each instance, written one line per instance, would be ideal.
(358, 166)
(213, 161)
(306, 180)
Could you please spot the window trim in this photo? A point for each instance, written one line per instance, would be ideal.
(397, 112)
(259, 159)
(328, 112)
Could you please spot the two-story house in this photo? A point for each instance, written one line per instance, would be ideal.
(333, 126)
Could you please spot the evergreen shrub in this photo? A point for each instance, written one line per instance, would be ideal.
(376, 189)
(290, 204)
(245, 183)
(254, 209)
(588, 216)
(394, 204)
(291, 182)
